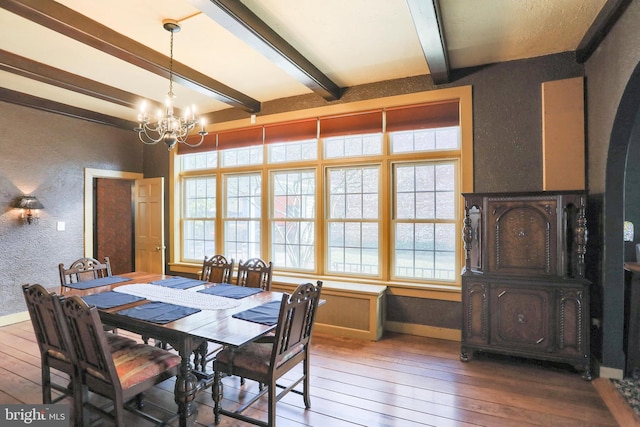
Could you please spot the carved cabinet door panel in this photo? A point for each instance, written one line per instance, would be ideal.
(522, 237)
(521, 318)
(573, 322)
(475, 325)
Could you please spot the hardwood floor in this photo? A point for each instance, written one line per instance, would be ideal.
(400, 380)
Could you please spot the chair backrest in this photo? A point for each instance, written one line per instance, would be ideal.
(295, 322)
(90, 343)
(217, 269)
(84, 269)
(255, 273)
(48, 324)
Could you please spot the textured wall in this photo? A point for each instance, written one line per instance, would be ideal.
(46, 154)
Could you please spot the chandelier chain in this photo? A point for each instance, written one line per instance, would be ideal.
(171, 66)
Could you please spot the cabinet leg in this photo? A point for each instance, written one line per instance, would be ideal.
(465, 355)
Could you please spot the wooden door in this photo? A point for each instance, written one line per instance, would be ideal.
(149, 225)
(114, 223)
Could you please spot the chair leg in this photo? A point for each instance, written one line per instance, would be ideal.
(118, 406)
(271, 415)
(216, 394)
(46, 384)
(305, 383)
(140, 401)
(80, 395)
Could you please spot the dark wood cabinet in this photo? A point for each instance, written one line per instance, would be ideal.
(523, 287)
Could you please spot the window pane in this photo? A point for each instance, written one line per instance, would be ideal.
(353, 244)
(208, 160)
(242, 219)
(198, 238)
(425, 140)
(353, 248)
(293, 151)
(198, 234)
(293, 202)
(243, 156)
(353, 146)
(424, 194)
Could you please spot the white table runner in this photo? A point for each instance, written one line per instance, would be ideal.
(182, 297)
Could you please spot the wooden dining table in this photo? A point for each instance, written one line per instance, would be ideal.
(186, 334)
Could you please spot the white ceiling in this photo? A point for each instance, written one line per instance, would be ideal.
(352, 42)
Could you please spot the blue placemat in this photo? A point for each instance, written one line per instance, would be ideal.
(159, 312)
(178, 282)
(110, 299)
(267, 314)
(103, 281)
(231, 291)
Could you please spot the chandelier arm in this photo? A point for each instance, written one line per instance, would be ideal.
(196, 144)
(144, 137)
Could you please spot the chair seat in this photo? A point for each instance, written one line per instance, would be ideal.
(137, 363)
(254, 357)
(118, 341)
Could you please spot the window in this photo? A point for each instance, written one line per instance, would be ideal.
(352, 146)
(242, 216)
(371, 195)
(425, 140)
(242, 156)
(353, 226)
(199, 218)
(425, 220)
(293, 151)
(293, 219)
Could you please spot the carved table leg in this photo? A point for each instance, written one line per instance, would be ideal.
(186, 387)
(216, 392)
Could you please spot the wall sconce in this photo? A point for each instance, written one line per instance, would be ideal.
(31, 205)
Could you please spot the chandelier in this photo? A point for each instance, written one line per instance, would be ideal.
(167, 127)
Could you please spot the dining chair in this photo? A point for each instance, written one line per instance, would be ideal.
(255, 273)
(217, 269)
(121, 375)
(84, 269)
(266, 361)
(56, 350)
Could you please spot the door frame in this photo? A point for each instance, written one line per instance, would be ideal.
(89, 175)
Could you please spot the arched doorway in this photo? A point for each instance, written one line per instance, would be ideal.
(626, 129)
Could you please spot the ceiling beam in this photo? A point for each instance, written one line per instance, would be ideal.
(61, 19)
(599, 29)
(244, 24)
(28, 68)
(43, 104)
(427, 19)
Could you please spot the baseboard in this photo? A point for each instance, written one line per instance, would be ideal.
(423, 330)
(611, 373)
(10, 319)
